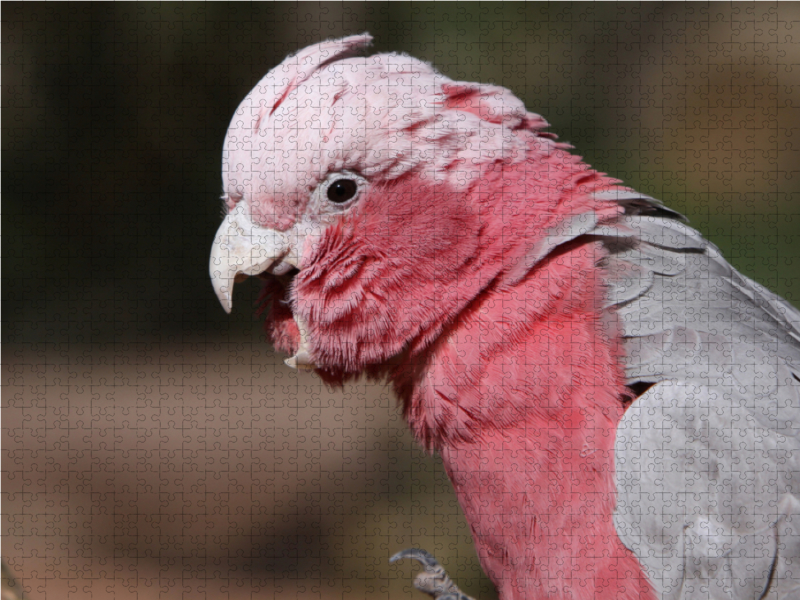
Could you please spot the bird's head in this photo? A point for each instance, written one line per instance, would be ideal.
(365, 192)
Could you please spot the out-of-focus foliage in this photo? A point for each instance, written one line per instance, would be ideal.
(153, 445)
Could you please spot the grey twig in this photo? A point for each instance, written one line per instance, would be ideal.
(10, 589)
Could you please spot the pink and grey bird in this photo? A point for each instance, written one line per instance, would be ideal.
(618, 409)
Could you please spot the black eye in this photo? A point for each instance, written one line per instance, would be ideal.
(342, 190)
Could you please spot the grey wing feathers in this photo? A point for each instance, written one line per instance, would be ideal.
(708, 459)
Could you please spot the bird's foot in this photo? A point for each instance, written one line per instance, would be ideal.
(433, 580)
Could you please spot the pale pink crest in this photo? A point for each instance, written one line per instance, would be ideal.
(382, 116)
(242, 161)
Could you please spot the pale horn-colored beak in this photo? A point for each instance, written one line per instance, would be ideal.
(241, 249)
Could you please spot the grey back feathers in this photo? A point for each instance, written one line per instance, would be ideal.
(708, 458)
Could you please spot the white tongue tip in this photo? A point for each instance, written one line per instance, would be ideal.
(302, 360)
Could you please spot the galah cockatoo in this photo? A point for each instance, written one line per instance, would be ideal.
(618, 408)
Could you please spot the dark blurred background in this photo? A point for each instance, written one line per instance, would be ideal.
(154, 446)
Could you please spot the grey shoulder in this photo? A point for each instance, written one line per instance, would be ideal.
(708, 458)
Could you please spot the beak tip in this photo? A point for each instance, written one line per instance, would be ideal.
(225, 300)
(240, 249)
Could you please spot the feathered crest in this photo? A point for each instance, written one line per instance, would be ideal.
(385, 115)
(301, 65)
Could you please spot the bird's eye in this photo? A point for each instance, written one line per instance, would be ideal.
(342, 190)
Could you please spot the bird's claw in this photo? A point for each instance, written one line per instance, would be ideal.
(434, 580)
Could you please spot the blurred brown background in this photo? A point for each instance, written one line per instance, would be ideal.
(154, 447)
